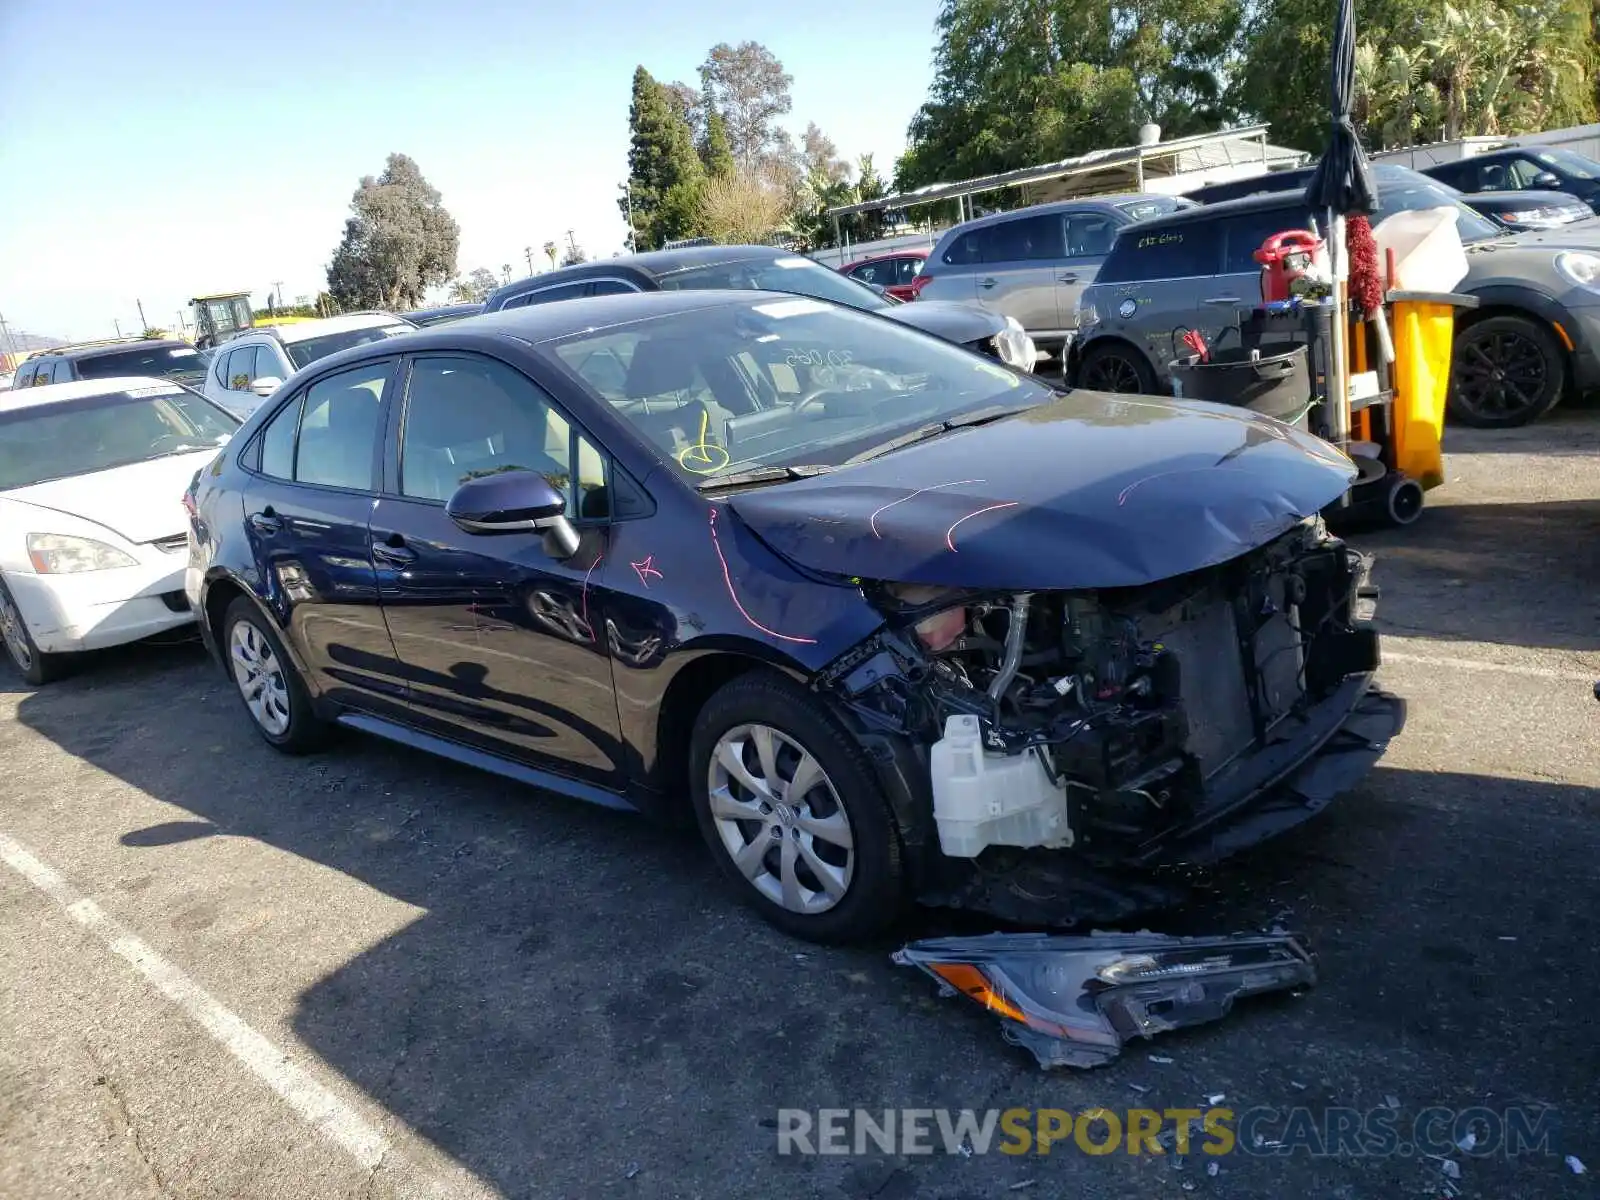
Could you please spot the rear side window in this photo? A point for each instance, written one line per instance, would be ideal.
(328, 434)
(610, 287)
(563, 291)
(1026, 239)
(1175, 252)
(63, 372)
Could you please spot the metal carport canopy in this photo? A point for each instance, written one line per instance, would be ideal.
(1134, 161)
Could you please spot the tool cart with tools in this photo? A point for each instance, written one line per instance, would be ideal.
(1374, 384)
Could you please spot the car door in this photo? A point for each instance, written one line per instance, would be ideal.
(307, 508)
(1153, 287)
(1019, 277)
(1238, 283)
(498, 639)
(1089, 234)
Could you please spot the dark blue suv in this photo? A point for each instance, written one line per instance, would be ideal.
(890, 619)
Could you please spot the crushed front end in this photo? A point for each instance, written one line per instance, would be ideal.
(1077, 740)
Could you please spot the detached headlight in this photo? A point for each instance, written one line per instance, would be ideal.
(1580, 268)
(63, 554)
(1075, 1001)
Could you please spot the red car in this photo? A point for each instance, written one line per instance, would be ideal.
(892, 272)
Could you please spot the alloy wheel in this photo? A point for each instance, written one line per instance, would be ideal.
(259, 674)
(780, 820)
(1501, 374)
(13, 633)
(1110, 373)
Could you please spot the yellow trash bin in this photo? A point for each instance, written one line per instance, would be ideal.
(1424, 336)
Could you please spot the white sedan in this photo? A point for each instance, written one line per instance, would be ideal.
(93, 534)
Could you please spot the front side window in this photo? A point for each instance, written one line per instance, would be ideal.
(781, 383)
(467, 417)
(329, 433)
(1524, 173)
(610, 287)
(97, 433)
(1089, 235)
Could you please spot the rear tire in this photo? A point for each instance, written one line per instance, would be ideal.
(823, 863)
(268, 683)
(1114, 367)
(34, 665)
(1505, 372)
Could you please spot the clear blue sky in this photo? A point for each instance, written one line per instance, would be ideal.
(156, 152)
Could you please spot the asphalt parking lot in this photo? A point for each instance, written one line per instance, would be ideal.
(224, 973)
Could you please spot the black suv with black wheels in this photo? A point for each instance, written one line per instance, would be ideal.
(1534, 337)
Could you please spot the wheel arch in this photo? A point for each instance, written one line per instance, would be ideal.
(1109, 341)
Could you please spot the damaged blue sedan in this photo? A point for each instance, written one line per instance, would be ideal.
(891, 621)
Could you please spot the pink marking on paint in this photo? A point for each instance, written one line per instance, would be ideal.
(872, 521)
(644, 568)
(727, 578)
(991, 508)
(586, 574)
(1123, 495)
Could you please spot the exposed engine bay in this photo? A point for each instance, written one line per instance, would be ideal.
(1107, 722)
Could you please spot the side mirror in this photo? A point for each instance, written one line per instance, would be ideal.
(514, 502)
(1547, 179)
(266, 385)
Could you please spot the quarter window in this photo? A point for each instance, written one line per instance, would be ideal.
(469, 417)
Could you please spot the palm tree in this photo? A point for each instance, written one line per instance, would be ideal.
(550, 252)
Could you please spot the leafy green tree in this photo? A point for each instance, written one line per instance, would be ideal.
(551, 250)
(474, 288)
(1018, 82)
(748, 86)
(575, 254)
(398, 241)
(715, 152)
(664, 172)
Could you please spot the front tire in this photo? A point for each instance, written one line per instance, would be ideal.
(793, 813)
(34, 665)
(1507, 371)
(268, 683)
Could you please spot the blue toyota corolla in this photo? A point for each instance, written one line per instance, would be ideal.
(893, 621)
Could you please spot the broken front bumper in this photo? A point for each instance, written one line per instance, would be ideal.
(1297, 775)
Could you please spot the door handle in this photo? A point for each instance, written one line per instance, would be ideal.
(393, 551)
(1069, 277)
(266, 521)
(987, 283)
(1223, 300)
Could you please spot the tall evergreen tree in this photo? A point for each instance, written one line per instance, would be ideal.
(664, 172)
(716, 153)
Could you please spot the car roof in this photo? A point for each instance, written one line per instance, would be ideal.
(443, 310)
(1055, 206)
(77, 350)
(903, 252)
(299, 331)
(650, 264)
(78, 389)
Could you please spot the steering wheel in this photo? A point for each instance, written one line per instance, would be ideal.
(812, 397)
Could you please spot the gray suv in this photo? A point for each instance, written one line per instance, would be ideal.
(1032, 264)
(1534, 337)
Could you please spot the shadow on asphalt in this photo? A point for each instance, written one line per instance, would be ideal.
(581, 999)
(1463, 572)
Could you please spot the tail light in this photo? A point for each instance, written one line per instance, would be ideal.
(919, 282)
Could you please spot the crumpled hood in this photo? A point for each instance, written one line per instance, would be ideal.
(943, 318)
(140, 502)
(1089, 491)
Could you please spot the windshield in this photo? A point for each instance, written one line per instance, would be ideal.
(174, 362)
(96, 433)
(1575, 165)
(310, 349)
(782, 383)
(1418, 191)
(788, 274)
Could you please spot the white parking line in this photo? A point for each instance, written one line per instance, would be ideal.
(321, 1109)
(1477, 664)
